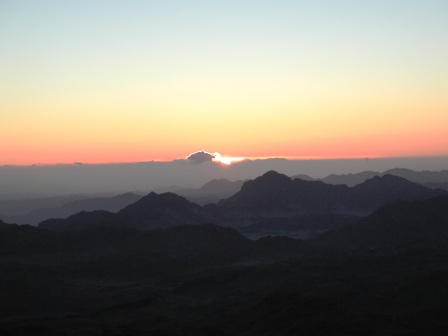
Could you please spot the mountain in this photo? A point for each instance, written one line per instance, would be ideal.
(192, 241)
(149, 212)
(385, 275)
(302, 177)
(421, 177)
(83, 220)
(437, 185)
(274, 192)
(274, 204)
(25, 239)
(112, 204)
(22, 206)
(216, 186)
(350, 179)
(403, 223)
(162, 211)
(381, 190)
(209, 280)
(210, 192)
(4, 226)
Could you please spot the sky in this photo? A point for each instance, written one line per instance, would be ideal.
(131, 81)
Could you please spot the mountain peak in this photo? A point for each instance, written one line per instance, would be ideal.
(388, 179)
(156, 203)
(266, 183)
(273, 174)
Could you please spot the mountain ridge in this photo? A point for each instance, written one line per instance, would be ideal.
(395, 225)
(272, 196)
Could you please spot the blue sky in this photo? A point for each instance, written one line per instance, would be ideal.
(304, 61)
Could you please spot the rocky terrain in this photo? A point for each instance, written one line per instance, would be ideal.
(160, 267)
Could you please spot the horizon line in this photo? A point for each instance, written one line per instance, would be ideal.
(242, 160)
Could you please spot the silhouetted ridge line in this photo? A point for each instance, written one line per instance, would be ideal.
(400, 224)
(150, 212)
(83, 220)
(153, 205)
(277, 191)
(271, 196)
(68, 208)
(421, 177)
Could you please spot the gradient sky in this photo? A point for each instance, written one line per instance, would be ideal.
(122, 81)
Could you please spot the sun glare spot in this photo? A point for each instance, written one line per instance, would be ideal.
(226, 160)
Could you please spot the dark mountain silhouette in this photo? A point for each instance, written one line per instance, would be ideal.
(205, 279)
(422, 177)
(83, 220)
(423, 222)
(162, 211)
(437, 185)
(350, 179)
(25, 239)
(104, 273)
(381, 190)
(19, 207)
(112, 204)
(221, 186)
(274, 204)
(211, 192)
(270, 202)
(276, 192)
(205, 241)
(4, 226)
(302, 177)
(272, 190)
(149, 212)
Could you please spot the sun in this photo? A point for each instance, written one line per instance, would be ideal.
(227, 160)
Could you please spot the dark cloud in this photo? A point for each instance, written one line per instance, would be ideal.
(201, 156)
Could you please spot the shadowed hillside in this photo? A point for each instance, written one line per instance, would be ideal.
(396, 225)
(156, 268)
(427, 178)
(204, 279)
(276, 204)
(149, 212)
(274, 191)
(272, 204)
(112, 204)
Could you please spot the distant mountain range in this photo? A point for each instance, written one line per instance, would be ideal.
(272, 197)
(34, 217)
(438, 179)
(152, 211)
(397, 225)
(274, 192)
(34, 210)
(211, 192)
(401, 224)
(385, 275)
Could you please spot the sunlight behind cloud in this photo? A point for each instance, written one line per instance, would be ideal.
(101, 82)
(227, 160)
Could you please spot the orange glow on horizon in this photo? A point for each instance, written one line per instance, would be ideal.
(223, 160)
(154, 86)
(290, 139)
